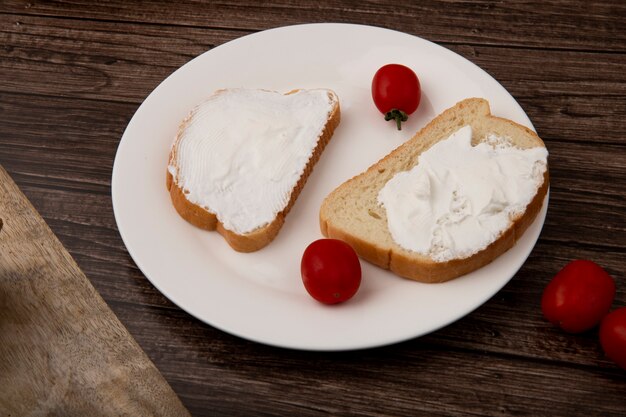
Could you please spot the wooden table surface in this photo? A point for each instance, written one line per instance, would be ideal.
(72, 73)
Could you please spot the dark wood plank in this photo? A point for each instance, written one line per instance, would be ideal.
(412, 378)
(71, 141)
(545, 24)
(99, 60)
(566, 94)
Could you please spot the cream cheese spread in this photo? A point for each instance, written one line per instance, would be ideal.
(241, 152)
(460, 198)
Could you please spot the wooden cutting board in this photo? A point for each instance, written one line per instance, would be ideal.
(62, 350)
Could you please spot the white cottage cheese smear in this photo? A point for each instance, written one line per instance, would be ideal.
(460, 198)
(243, 151)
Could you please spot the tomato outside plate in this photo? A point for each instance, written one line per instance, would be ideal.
(331, 271)
(578, 296)
(613, 336)
(396, 92)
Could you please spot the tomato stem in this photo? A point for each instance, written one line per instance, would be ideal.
(398, 115)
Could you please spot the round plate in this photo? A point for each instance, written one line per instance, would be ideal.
(259, 296)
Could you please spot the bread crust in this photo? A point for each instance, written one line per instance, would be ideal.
(410, 264)
(262, 236)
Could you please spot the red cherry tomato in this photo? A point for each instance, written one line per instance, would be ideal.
(330, 270)
(578, 296)
(396, 92)
(613, 336)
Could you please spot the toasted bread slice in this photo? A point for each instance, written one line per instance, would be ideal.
(241, 158)
(353, 213)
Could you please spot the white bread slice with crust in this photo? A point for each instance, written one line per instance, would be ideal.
(256, 239)
(352, 213)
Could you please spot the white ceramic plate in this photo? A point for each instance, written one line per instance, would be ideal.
(259, 296)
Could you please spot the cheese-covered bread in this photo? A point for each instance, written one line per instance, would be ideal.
(242, 156)
(453, 198)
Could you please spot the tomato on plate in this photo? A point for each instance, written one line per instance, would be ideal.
(331, 271)
(396, 92)
(613, 336)
(578, 296)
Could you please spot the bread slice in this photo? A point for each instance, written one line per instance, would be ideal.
(352, 212)
(257, 120)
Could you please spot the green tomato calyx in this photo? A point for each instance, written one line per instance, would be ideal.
(398, 115)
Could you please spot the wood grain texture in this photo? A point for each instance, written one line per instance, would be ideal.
(73, 73)
(553, 24)
(427, 376)
(110, 63)
(63, 351)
